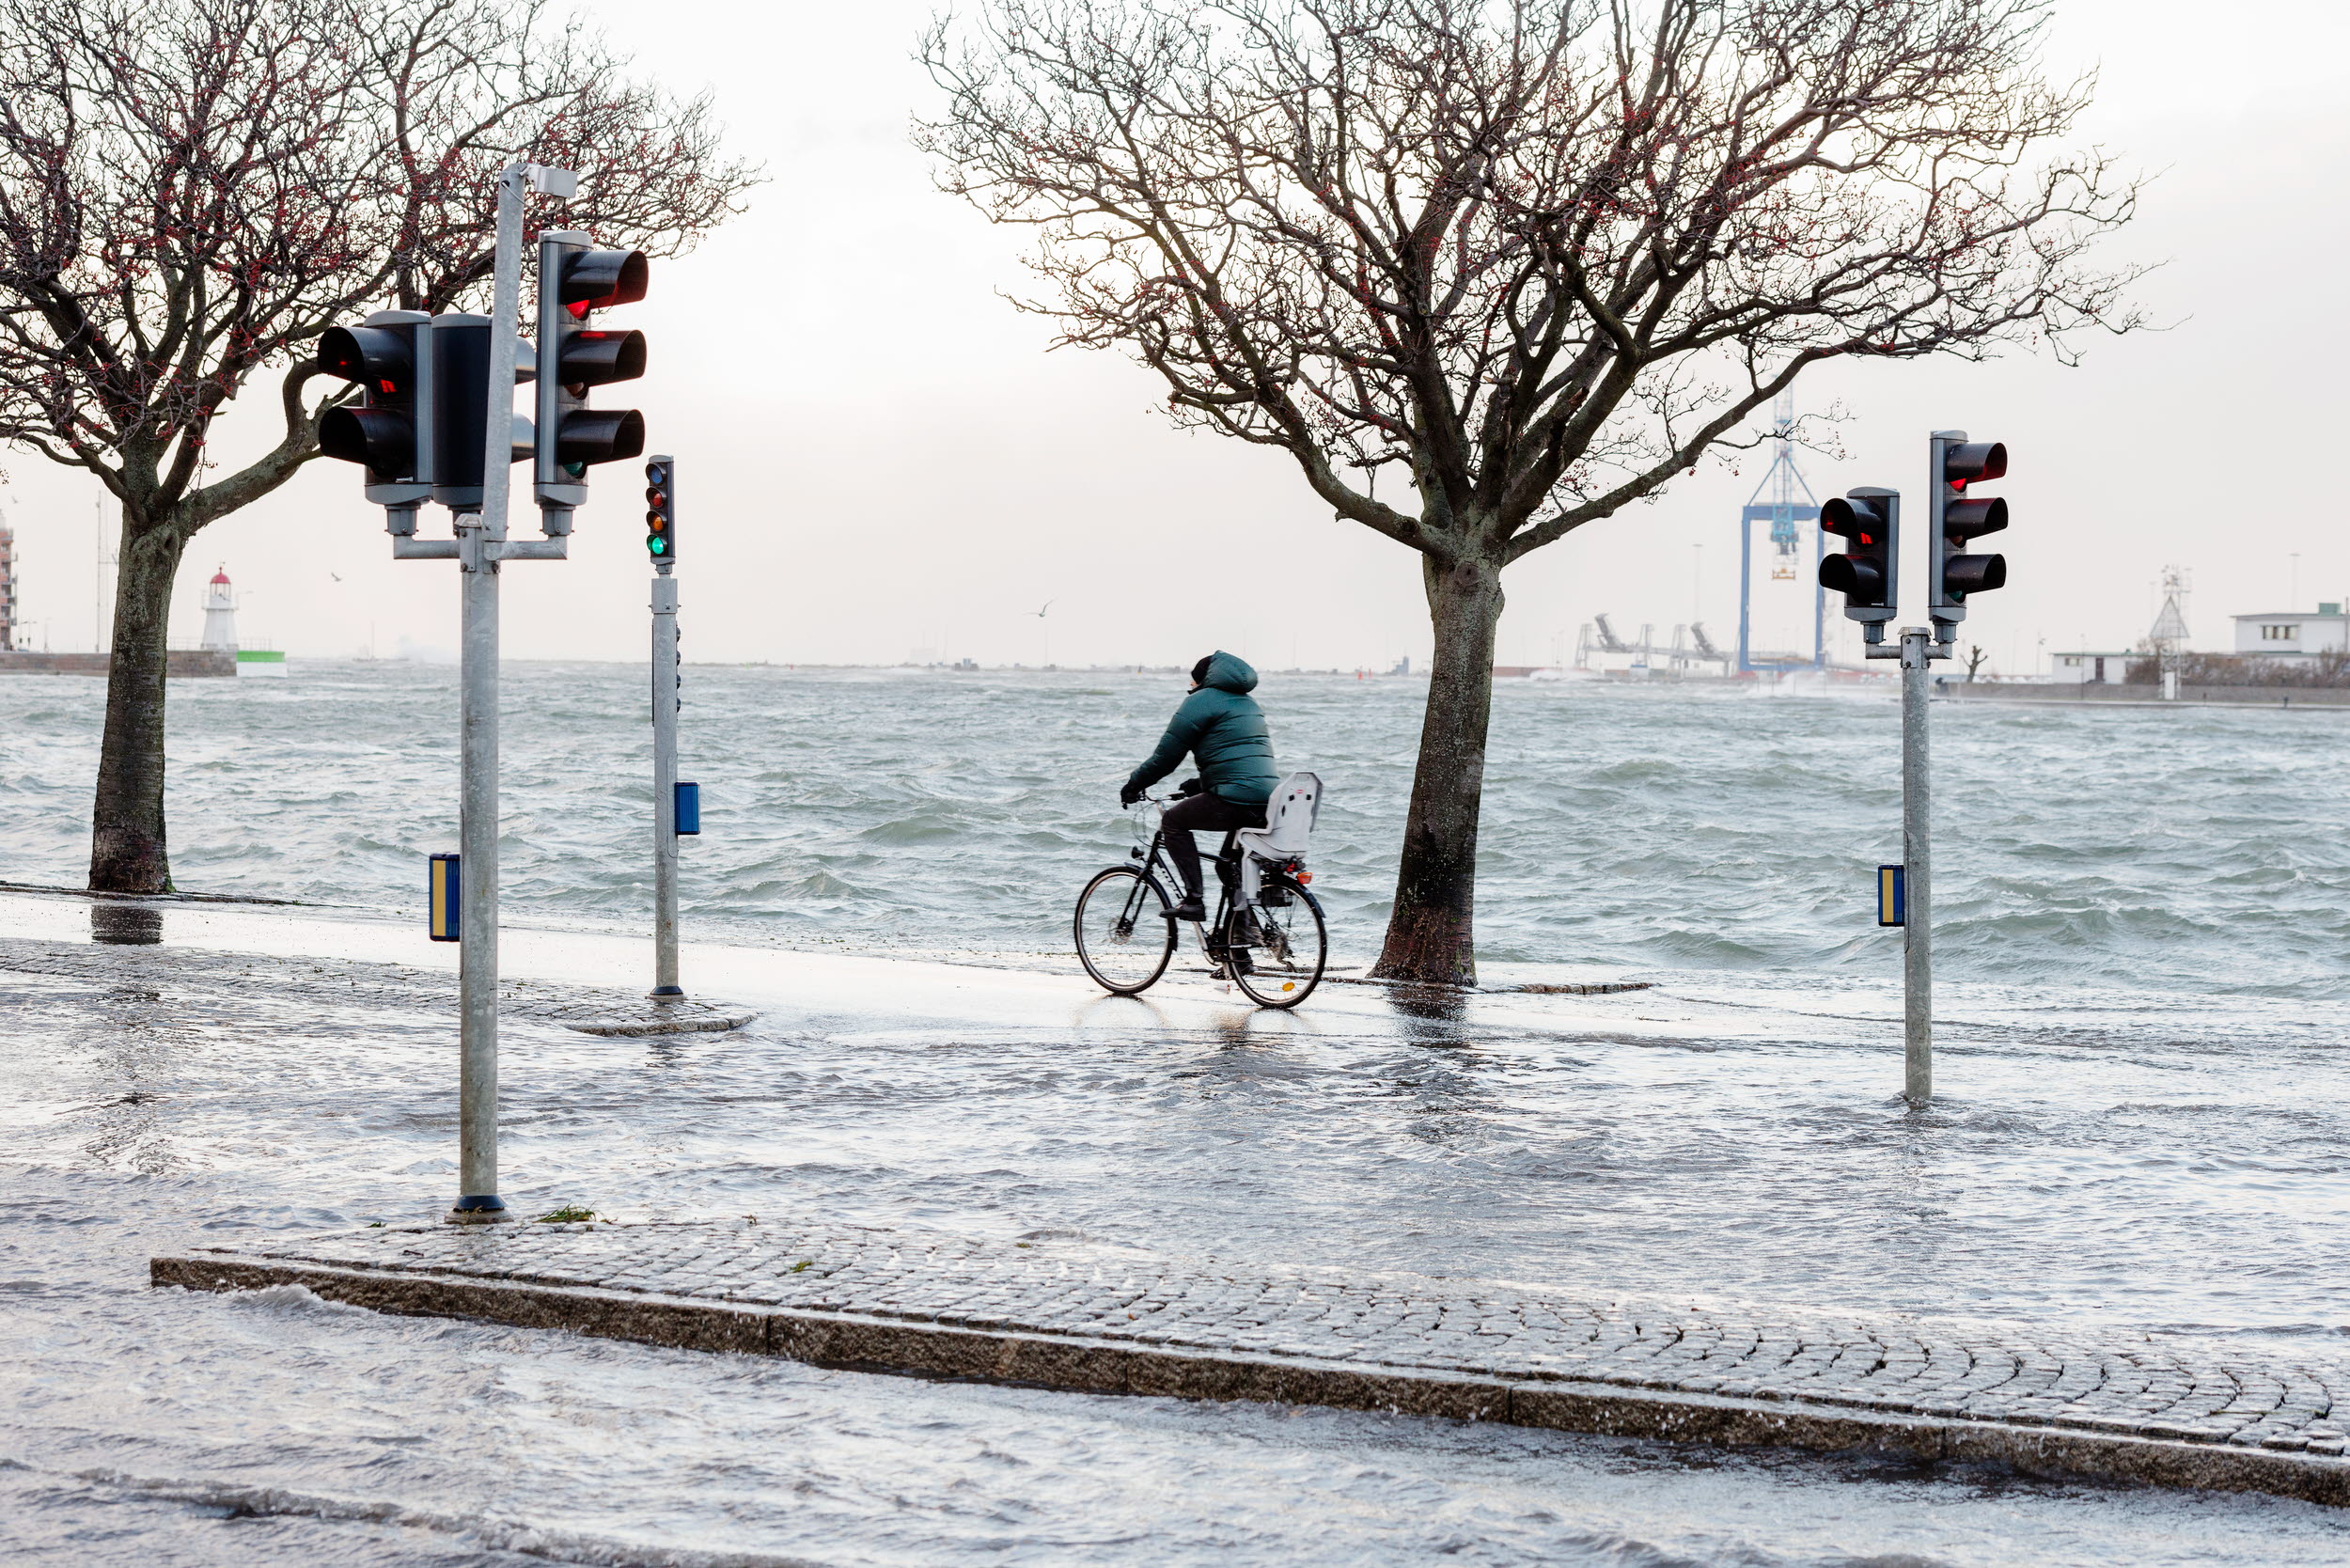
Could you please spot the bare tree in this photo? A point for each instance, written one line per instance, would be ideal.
(190, 191)
(1976, 656)
(1540, 257)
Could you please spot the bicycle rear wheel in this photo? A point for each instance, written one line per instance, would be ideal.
(1124, 938)
(1285, 963)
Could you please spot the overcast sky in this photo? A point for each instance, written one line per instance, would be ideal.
(877, 455)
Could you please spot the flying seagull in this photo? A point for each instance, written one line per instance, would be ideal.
(1040, 614)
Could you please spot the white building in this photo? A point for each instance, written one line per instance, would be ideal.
(2292, 634)
(220, 630)
(2091, 668)
(220, 613)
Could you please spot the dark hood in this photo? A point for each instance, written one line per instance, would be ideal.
(1229, 672)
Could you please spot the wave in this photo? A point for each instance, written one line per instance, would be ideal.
(477, 1530)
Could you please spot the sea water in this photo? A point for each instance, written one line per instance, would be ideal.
(1697, 829)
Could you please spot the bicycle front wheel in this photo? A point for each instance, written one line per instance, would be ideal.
(1124, 937)
(1285, 961)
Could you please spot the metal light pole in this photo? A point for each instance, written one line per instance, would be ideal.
(478, 681)
(665, 712)
(481, 544)
(1917, 857)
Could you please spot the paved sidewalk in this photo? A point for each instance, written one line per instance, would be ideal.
(1073, 1315)
(128, 959)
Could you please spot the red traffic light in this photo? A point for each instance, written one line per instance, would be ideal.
(375, 357)
(1976, 460)
(1864, 573)
(1858, 524)
(593, 279)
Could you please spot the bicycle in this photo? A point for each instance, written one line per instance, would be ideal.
(1268, 935)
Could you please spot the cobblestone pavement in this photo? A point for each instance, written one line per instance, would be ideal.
(1955, 1375)
(127, 961)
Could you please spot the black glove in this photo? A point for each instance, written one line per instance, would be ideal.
(1127, 795)
(1188, 787)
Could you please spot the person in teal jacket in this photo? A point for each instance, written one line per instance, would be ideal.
(1224, 730)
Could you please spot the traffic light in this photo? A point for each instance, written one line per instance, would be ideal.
(389, 431)
(574, 358)
(1957, 517)
(1868, 520)
(661, 508)
(462, 407)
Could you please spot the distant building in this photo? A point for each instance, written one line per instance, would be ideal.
(220, 613)
(2092, 668)
(220, 630)
(2294, 635)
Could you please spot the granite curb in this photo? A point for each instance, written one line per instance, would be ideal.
(1092, 1347)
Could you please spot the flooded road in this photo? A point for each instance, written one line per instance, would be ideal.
(1716, 1136)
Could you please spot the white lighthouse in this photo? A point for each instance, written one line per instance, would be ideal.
(220, 613)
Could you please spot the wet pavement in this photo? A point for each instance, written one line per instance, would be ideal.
(2096, 1169)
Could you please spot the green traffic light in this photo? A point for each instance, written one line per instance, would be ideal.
(658, 545)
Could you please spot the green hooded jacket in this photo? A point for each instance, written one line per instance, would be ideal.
(1224, 730)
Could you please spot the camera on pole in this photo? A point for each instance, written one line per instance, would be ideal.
(1868, 520)
(1958, 517)
(389, 431)
(575, 358)
(661, 509)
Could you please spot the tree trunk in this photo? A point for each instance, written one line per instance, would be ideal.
(127, 848)
(1431, 935)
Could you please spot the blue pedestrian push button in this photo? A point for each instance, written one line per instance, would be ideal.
(1892, 895)
(688, 814)
(443, 891)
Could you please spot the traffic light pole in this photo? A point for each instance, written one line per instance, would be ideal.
(477, 537)
(478, 851)
(481, 544)
(1917, 858)
(664, 837)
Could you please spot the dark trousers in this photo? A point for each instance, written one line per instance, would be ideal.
(1202, 813)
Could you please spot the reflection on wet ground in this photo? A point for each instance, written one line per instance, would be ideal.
(1715, 1139)
(125, 924)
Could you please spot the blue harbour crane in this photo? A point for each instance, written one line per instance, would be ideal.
(1775, 501)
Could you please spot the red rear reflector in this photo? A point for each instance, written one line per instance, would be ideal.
(1304, 876)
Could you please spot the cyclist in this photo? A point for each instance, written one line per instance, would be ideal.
(1224, 730)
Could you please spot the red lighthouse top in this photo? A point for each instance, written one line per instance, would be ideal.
(221, 576)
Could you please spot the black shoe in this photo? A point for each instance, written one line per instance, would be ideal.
(1188, 910)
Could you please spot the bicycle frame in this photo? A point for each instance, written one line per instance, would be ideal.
(1214, 936)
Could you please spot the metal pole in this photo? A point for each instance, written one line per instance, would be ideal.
(1917, 856)
(478, 570)
(1745, 591)
(1819, 597)
(478, 933)
(665, 845)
